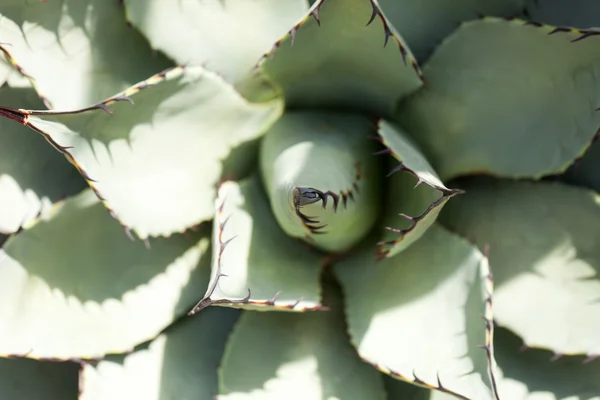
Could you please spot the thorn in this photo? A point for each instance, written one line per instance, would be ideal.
(398, 168)
(293, 34)
(381, 152)
(556, 356)
(408, 217)
(388, 33)
(315, 15)
(374, 14)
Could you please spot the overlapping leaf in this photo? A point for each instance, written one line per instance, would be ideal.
(576, 13)
(331, 58)
(417, 316)
(73, 285)
(253, 257)
(32, 174)
(411, 208)
(481, 105)
(156, 163)
(78, 52)
(328, 152)
(425, 23)
(227, 36)
(534, 374)
(179, 364)
(544, 241)
(272, 356)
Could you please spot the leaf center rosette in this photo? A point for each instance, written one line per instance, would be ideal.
(321, 178)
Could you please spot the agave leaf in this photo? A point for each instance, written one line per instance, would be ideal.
(544, 238)
(273, 356)
(36, 380)
(417, 317)
(253, 257)
(425, 23)
(576, 13)
(328, 156)
(534, 374)
(478, 106)
(179, 364)
(226, 36)
(343, 53)
(420, 204)
(32, 174)
(585, 172)
(156, 163)
(77, 52)
(75, 277)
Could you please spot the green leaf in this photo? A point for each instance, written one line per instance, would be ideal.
(253, 256)
(78, 52)
(586, 171)
(35, 380)
(544, 239)
(327, 156)
(179, 364)
(226, 36)
(73, 284)
(419, 204)
(425, 23)
(533, 374)
(272, 356)
(478, 106)
(576, 13)
(32, 174)
(335, 60)
(156, 163)
(417, 317)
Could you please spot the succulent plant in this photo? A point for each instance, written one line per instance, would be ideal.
(271, 199)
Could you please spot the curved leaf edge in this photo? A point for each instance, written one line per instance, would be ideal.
(81, 360)
(589, 357)
(385, 247)
(388, 32)
(22, 116)
(271, 304)
(487, 316)
(21, 71)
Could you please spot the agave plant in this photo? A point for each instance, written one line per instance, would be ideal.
(268, 199)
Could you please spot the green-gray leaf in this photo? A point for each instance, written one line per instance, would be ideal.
(544, 241)
(534, 375)
(273, 356)
(156, 163)
(411, 208)
(417, 316)
(36, 380)
(32, 174)
(254, 253)
(326, 153)
(425, 23)
(480, 105)
(226, 36)
(576, 13)
(74, 285)
(78, 52)
(331, 58)
(180, 364)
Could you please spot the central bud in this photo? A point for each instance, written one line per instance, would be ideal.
(321, 177)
